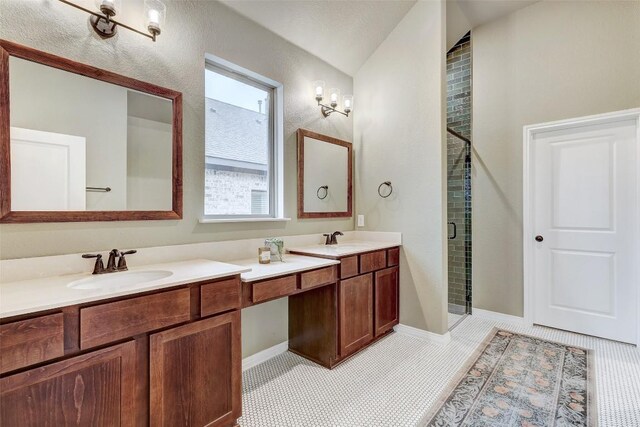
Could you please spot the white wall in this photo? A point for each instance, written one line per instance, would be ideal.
(399, 136)
(176, 61)
(549, 61)
(50, 100)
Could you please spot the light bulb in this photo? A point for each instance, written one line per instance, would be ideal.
(334, 97)
(154, 17)
(347, 103)
(155, 13)
(318, 90)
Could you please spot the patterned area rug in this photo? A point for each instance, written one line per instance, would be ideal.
(519, 380)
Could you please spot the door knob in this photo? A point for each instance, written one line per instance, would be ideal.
(539, 238)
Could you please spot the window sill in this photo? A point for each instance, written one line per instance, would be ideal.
(230, 220)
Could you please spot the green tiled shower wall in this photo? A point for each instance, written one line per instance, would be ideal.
(459, 185)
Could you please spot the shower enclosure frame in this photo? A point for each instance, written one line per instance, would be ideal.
(467, 218)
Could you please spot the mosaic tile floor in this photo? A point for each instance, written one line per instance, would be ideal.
(452, 319)
(395, 381)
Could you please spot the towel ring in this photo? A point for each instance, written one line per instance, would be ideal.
(326, 192)
(388, 184)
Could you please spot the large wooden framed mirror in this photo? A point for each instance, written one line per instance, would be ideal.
(78, 143)
(325, 176)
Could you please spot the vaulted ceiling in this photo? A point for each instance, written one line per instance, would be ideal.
(464, 15)
(345, 33)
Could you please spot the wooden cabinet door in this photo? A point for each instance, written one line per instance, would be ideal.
(386, 300)
(355, 300)
(196, 372)
(95, 389)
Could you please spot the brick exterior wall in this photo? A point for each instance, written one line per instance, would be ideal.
(458, 177)
(229, 192)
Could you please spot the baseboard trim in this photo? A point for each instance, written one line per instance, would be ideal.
(421, 333)
(264, 355)
(498, 317)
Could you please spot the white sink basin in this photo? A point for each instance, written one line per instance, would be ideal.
(119, 280)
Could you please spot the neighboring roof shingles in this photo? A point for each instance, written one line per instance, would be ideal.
(235, 133)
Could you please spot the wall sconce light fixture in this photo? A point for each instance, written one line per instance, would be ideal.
(334, 100)
(103, 23)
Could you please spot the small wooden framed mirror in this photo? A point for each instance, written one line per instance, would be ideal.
(78, 143)
(325, 176)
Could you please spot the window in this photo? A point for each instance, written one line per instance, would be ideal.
(259, 202)
(243, 143)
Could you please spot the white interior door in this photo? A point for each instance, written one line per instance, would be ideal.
(48, 171)
(584, 207)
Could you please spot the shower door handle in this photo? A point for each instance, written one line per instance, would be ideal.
(455, 230)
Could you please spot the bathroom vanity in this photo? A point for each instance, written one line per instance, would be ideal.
(330, 324)
(168, 352)
(348, 301)
(150, 357)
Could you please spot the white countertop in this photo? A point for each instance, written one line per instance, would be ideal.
(349, 247)
(31, 296)
(291, 264)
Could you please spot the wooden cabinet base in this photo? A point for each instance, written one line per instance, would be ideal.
(355, 308)
(386, 306)
(313, 325)
(331, 324)
(95, 389)
(165, 358)
(314, 319)
(196, 373)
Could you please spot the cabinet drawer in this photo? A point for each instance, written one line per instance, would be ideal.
(373, 261)
(393, 257)
(349, 267)
(109, 322)
(31, 341)
(274, 288)
(322, 276)
(219, 296)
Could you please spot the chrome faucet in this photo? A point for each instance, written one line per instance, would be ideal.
(99, 268)
(331, 239)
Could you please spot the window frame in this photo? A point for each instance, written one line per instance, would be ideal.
(275, 168)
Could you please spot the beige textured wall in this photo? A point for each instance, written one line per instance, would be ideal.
(549, 61)
(399, 137)
(176, 61)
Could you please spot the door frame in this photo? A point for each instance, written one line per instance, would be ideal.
(529, 133)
